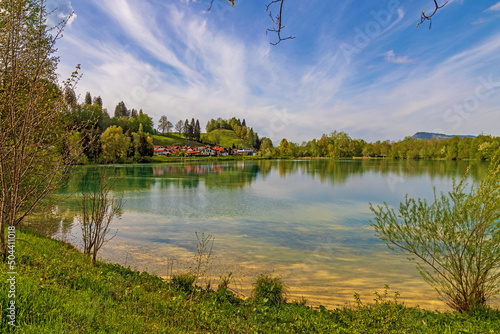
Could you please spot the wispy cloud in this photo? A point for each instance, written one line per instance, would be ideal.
(170, 59)
(390, 57)
(495, 7)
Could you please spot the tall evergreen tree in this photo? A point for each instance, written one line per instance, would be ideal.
(97, 101)
(70, 96)
(197, 131)
(133, 113)
(121, 110)
(191, 129)
(185, 129)
(88, 99)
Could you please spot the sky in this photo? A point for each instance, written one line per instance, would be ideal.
(362, 67)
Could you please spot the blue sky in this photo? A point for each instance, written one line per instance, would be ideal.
(361, 66)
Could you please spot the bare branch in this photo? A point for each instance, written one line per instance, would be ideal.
(424, 17)
(277, 21)
(211, 5)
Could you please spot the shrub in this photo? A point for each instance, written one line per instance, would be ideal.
(224, 282)
(270, 290)
(455, 240)
(183, 282)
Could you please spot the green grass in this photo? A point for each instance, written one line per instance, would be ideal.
(173, 139)
(226, 138)
(57, 291)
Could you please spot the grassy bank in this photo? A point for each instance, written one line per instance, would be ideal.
(57, 291)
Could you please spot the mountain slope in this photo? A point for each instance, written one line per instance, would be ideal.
(430, 135)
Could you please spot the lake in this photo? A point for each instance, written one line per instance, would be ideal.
(305, 220)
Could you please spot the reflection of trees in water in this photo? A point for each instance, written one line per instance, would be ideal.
(338, 171)
(56, 221)
(234, 175)
(238, 175)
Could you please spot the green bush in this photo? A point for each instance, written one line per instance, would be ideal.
(455, 240)
(269, 290)
(183, 282)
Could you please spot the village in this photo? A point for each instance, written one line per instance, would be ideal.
(200, 151)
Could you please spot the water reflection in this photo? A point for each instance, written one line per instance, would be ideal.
(307, 220)
(241, 174)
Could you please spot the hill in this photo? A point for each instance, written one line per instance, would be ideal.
(225, 138)
(430, 135)
(222, 137)
(173, 139)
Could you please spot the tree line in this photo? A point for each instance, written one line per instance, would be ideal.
(122, 138)
(239, 127)
(341, 145)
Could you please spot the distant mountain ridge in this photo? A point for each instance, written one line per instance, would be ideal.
(430, 135)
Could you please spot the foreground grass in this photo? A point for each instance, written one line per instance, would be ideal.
(57, 291)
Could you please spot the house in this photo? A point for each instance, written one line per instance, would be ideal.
(173, 149)
(244, 151)
(199, 151)
(160, 150)
(220, 151)
(192, 151)
(205, 151)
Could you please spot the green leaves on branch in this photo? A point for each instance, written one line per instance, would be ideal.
(455, 240)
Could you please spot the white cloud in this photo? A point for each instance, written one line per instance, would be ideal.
(178, 63)
(61, 10)
(390, 57)
(495, 7)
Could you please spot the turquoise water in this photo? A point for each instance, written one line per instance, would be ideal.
(306, 220)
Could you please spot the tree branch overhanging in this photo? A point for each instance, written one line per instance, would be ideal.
(277, 21)
(424, 17)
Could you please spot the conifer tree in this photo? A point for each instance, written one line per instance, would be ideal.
(88, 99)
(97, 101)
(197, 131)
(121, 110)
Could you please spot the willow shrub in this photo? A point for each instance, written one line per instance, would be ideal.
(269, 290)
(455, 240)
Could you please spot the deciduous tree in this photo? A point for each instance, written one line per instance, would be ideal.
(178, 127)
(32, 123)
(115, 143)
(98, 207)
(162, 124)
